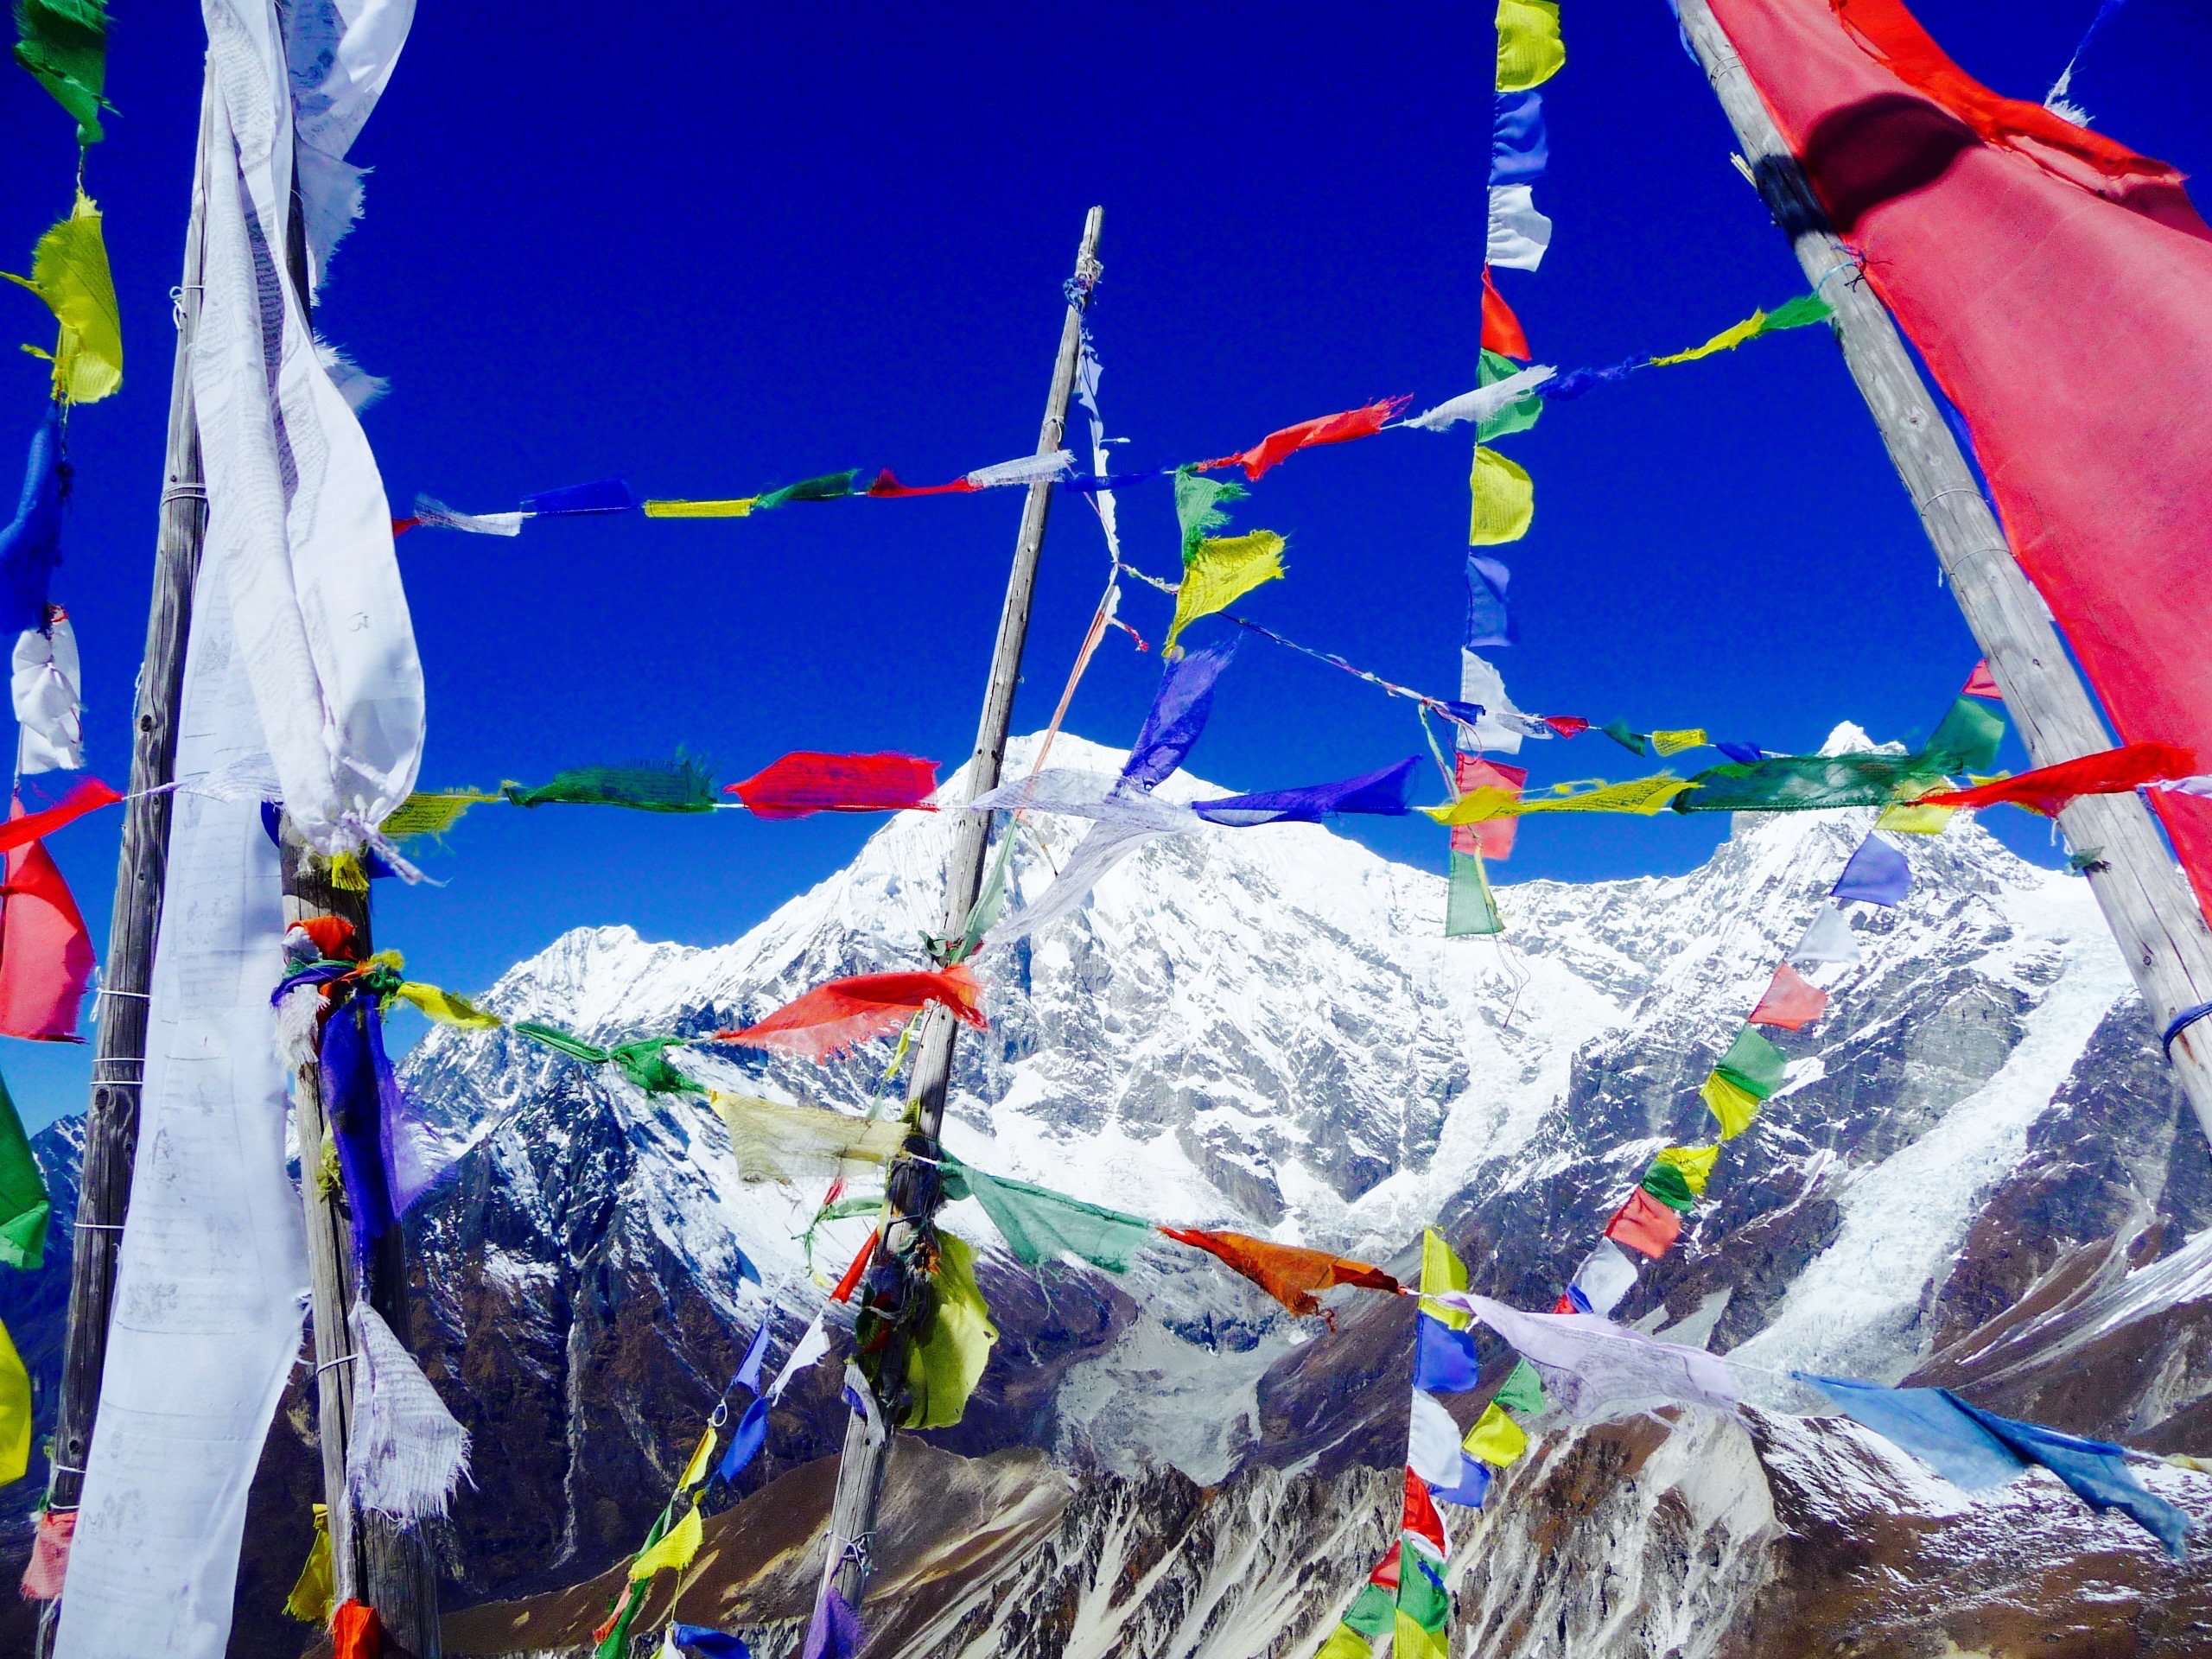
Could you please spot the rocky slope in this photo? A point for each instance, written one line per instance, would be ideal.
(1978, 1169)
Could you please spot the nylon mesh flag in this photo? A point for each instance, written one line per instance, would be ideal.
(2054, 283)
(1377, 793)
(805, 781)
(1220, 572)
(46, 951)
(1791, 1001)
(69, 272)
(1285, 1272)
(1279, 446)
(679, 786)
(1039, 1225)
(2047, 788)
(63, 45)
(832, 1017)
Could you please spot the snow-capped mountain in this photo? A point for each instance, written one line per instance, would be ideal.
(1977, 1165)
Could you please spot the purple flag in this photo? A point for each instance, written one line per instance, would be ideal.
(835, 1632)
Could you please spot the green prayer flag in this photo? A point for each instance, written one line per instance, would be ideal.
(1634, 741)
(1197, 506)
(1669, 1186)
(830, 487)
(1522, 1390)
(1373, 1610)
(1469, 909)
(868, 1204)
(681, 785)
(1420, 1598)
(1968, 738)
(644, 1062)
(1039, 1224)
(23, 1203)
(1753, 1065)
(1797, 782)
(1806, 308)
(63, 45)
(1517, 416)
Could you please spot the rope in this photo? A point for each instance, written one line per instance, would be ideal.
(2180, 1023)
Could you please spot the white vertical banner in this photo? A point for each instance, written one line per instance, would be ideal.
(211, 1277)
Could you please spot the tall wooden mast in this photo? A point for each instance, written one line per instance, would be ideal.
(2147, 902)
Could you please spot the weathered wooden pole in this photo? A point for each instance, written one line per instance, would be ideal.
(892, 1292)
(119, 1057)
(2147, 902)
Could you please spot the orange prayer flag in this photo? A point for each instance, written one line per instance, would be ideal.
(1287, 1272)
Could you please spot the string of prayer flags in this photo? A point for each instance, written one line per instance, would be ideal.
(62, 45)
(1791, 1001)
(1504, 499)
(1382, 794)
(1286, 1272)
(1977, 1450)
(2047, 788)
(832, 1017)
(24, 1204)
(44, 686)
(805, 781)
(45, 955)
(1489, 622)
(30, 543)
(69, 272)
(1219, 572)
(1039, 1224)
(1804, 310)
(949, 1360)
(1876, 874)
(1743, 1080)
(681, 785)
(1279, 446)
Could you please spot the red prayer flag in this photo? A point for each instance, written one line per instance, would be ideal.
(49, 1564)
(1327, 428)
(887, 485)
(355, 1633)
(1565, 1305)
(1500, 328)
(1492, 837)
(88, 796)
(1981, 684)
(2047, 788)
(46, 954)
(805, 781)
(1386, 1570)
(1287, 1272)
(1567, 725)
(830, 1018)
(2060, 289)
(1421, 1517)
(1791, 1001)
(1644, 1224)
(846, 1285)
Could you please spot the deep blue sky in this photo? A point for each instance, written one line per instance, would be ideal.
(771, 244)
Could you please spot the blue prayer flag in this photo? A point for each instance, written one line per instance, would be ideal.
(1488, 622)
(608, 495)
(2094, 1470)
(748, 1369)
(745, 1445)
(1576, 381)
(1925, 1422)
(1444, 1359)
(1381, 793)
(1474, 1486)
(834, 1631)
(708, 1643)
(1177, 716)
(1519, 149)
(1744, 754)
(1876, 873)
(30, 546)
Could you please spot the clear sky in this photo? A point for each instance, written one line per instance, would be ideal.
(724, 253)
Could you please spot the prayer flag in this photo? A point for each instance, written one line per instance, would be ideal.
(702, 1458)
(1753, 1064)
(1604, 1278)
(707, 1643)
(1827, 938)
(1279, 446)
(829, 486)
(69, 272)
(1727, 340)
(1518, 233)
(1489, 622)
(805, 781)
(2094, 1470)
(949, 1360)
(1800, 782)
(1039, 1225)
(1220, 572)
(1876, 873)
(1522, 1390)
(1601, 1368)
(1622, 733)
(643, 1062)
(1505, 400)
(1471, 1488)
(49, 718)
(832, 1017)
(744, 1441)
(1178, 714)
(356, 1632)
(749, 1369)
(1791, 1001)
(1285, 1272)
(1442, 1270)
(446, 1009)
(1691, 1166)
(681, 785)
(1380, 794)
(1422, 1603)
(1411, 1641)
(1666, 743)
(1444, 1359)
(15, 1411)
(1504, 499)
(1645, 1224)
(1492, 838)
(813, 1343)
(605, 495)
(1433, 1441)
(1345, 1641)
(57, 1528)
(728, 508)
(1915, 818)
(1982, 683)
(45, 952)
(1567, 725)
(63, 43)
(1500, 328)
(1519, 149)
(30, 544)
(1529, 51)
(1966, 740)
(1419, 1521)
(1495, 1438)
(1198, 506)
(1732, 1104)
(674, 1551)
(2047, 788)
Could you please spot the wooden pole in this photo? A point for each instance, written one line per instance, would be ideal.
(2152, 913)
(889, 1293)
(119, 1058)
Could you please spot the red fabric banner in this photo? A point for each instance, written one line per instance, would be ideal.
(46, 953)
(2070, 322)
(1492, 837)
(805, 781)
(1327, 428)
(1500, 328)
(1644, 1224)
(1287, 1272)
(1791, 1001)
(830, 1018)
(2047, 788)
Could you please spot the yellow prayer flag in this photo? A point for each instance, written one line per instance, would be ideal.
(1346, 1643)
(1733, 1105)
(1411, 1641)
(447, 1010)
(1695, 1163)
(1666, 743)
(1727, 340)
(1442, 1270)
(431, 814)
(1530, 50)
(1642, 796)
(1222, 571)
(1504, 499)
(315, 1589)
(674, 1551)
(696, 1471)
(15, 1411)
(1910, 818)
(1495, 1438)
(950, 1359)
(1478, 806)
(69, 272)
(740, 508)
